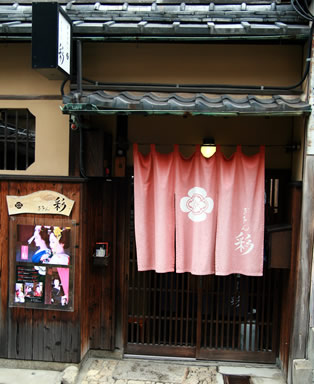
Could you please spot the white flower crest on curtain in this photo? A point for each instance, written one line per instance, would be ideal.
(197, 204)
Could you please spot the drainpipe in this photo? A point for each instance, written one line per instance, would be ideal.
(78, 93)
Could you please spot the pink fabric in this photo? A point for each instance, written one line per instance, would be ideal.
(214, 206)
(240, 223)
(196, 213)
(154, 210)
(64, 277)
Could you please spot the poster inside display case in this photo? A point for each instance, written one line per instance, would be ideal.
(42, 264)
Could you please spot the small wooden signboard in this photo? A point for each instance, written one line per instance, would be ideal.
(40, 202)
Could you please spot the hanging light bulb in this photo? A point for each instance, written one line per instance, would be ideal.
(208, 148)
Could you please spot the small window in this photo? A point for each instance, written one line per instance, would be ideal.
(17, 139)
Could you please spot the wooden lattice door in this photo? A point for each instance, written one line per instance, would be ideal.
(232, 317)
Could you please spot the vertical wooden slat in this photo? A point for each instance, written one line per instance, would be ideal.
(155, 308)
(259, 312)
(161, 276)
(241, 309)
(235, 303)
(289, 277)
(38, 336)
(165, 319)
(27, 140)
(194, 298)
(187, 310)
(148, 314)
(212, 304)
(16, 139)
(263, 300)
(138, 303)
(275, 310)
(132, 293)
(182, 307)
(223, 299)
(268, 318)
(4, 269)
(141, 307)
(228, 310)
(5, 152)
(251, 309)
(250, 305)
(171, 308)
(217, 290)
(257, 285)
(245, 309)
(199, 321)
(176, 331)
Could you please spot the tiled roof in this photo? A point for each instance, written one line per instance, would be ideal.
(181, 103)
(158, 19)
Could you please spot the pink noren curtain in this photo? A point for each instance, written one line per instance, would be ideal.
(240, 220)
(199, 215)
(154, 210)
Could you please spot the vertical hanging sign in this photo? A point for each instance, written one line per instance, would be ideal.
(51, 40)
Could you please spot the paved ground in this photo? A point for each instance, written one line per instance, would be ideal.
(28, 376)
(138, 371)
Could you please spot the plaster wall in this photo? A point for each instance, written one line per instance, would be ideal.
(52, 138)
(23, 87)
(17, 76)
(193, 63)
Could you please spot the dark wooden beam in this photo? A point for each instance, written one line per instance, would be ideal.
(146, 1)
(31, 97)
(300, 328)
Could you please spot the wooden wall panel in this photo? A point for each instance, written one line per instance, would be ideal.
(124, 197)
(36, 334)
(290, 277)
(4, 270)
(48, 335)
(300, 327)
(98, 288)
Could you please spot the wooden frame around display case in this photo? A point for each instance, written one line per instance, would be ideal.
(42, 255)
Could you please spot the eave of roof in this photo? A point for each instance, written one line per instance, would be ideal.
(166, 20)
(110, 102)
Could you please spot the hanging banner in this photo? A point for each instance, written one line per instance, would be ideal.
(240, 220)
(40, 202)
(154, 210)
(196, 213)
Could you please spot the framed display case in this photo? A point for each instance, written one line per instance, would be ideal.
(42, 255)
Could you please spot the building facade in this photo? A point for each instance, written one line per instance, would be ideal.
(151, 73)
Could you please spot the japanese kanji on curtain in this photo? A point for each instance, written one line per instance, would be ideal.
(199, 215)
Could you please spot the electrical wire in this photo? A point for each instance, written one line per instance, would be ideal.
(82, 168)
(308, 10)
(293, 146)
(301, 11)
(63, 85)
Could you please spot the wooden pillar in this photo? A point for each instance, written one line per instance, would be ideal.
(302, 312)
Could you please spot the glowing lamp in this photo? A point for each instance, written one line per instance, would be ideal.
(208, 148)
